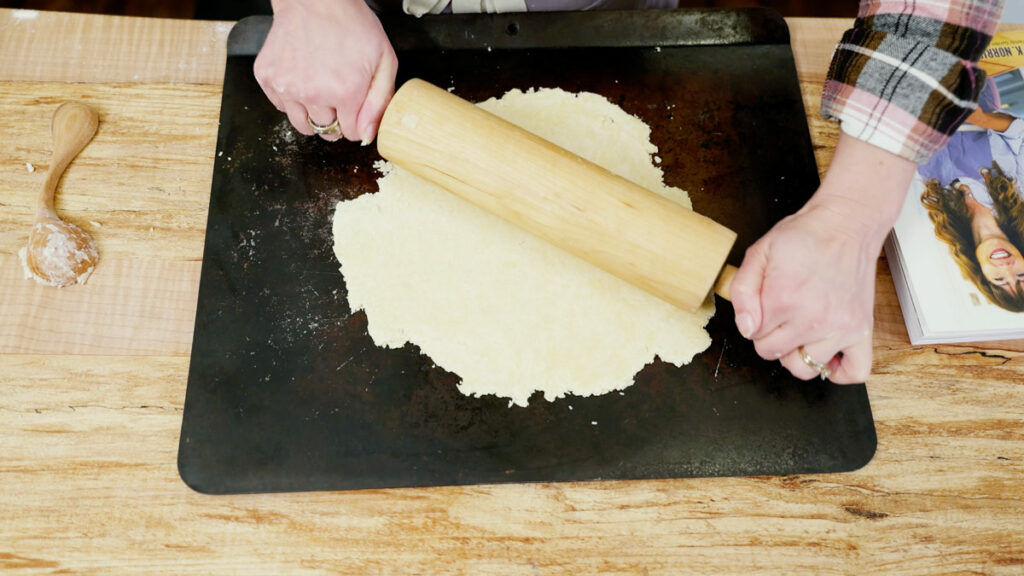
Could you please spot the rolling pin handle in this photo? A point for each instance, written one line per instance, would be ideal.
(723, 286)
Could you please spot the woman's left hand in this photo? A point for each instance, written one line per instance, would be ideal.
(805, 291)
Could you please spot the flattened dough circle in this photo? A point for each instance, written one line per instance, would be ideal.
(505, 311)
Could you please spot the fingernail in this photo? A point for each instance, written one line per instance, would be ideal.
(745, 324)
(369, 134)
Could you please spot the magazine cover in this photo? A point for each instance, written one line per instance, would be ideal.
(955, 251)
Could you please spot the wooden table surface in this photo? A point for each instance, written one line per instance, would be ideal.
(92, 385)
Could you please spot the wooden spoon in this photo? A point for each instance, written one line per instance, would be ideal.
(58, 252)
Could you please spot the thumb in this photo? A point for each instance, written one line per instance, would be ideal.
(746, 291)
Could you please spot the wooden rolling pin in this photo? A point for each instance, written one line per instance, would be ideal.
(628, 231)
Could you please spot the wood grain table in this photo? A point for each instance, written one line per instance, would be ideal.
(92, 384)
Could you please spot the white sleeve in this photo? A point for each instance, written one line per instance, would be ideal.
(418, 8)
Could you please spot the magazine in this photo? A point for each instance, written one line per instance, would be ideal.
(955, 251)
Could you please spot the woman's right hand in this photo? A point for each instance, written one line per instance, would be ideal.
(325, 60)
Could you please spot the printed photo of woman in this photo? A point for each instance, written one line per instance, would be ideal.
(973, 197)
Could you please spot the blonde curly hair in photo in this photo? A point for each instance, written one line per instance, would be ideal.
(951, 218)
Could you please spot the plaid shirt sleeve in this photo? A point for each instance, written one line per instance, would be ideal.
(906, 75)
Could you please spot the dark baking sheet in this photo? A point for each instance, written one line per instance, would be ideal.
(287, 392)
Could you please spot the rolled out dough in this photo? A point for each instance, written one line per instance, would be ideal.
(502, 309)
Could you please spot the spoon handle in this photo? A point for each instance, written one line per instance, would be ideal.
(74, 125)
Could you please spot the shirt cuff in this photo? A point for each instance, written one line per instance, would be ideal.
(904, 96)
(1016, 129)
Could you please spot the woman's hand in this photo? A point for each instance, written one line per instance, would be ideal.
(325, 60)
(809, 283)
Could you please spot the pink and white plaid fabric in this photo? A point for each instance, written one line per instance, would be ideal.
(906, 75)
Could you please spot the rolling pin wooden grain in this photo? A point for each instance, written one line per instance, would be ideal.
(626, 230)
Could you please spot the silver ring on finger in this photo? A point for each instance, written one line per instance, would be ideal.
(823, 369)
(329, 129)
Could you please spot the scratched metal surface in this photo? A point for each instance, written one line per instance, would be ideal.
(286, 390)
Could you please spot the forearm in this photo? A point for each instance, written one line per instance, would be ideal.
(867, 185)
(997, 121)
